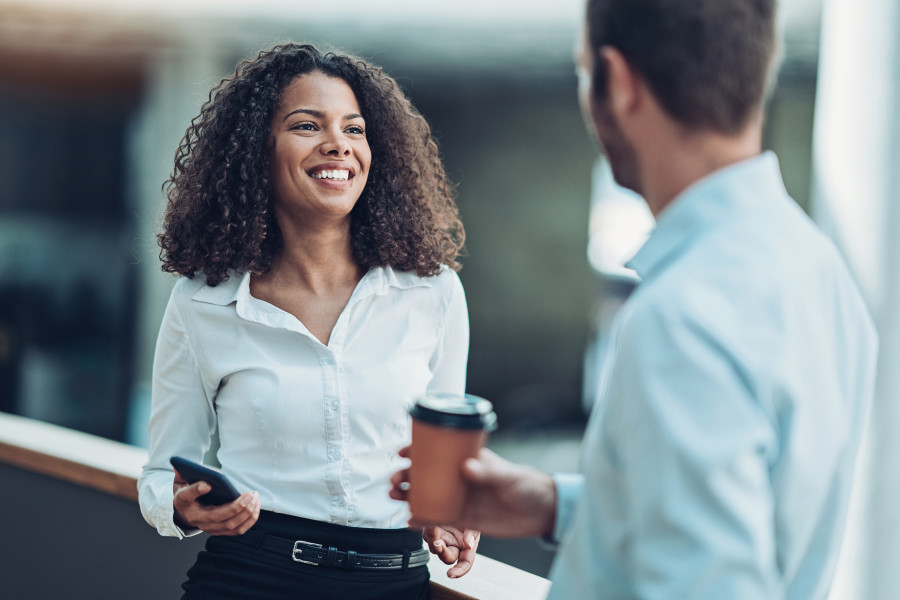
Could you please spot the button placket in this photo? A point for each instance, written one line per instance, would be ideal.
(334, 430)
(345, 469)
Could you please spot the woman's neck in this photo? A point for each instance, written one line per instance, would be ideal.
(319, 263)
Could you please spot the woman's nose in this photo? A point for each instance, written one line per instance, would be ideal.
(336, 144)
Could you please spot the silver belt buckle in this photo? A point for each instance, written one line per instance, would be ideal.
(298, 551)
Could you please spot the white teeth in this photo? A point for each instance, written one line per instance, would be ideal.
(339, 174)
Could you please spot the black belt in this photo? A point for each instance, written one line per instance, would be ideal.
(311, 553)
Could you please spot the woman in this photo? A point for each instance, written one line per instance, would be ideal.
(317, 236)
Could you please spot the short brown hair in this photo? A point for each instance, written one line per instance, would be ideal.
(706, 61)
(219, 216)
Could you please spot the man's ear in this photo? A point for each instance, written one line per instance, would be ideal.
(623, 86)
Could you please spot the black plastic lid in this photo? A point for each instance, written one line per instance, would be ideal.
(455, 411)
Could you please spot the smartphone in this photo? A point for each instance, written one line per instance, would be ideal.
(222, 491)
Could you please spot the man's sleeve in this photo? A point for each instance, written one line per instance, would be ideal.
(694, 448)
(568, 490)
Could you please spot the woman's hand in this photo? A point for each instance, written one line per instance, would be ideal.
(452, 545)
(234, 518)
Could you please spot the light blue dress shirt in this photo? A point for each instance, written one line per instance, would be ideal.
(719, 458)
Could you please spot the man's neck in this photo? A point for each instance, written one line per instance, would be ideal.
(683, 158)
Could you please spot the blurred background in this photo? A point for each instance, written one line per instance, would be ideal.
(96, 94)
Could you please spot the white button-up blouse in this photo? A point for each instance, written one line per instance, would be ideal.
(313, 428)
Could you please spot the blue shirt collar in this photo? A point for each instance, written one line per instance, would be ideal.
(730, 191)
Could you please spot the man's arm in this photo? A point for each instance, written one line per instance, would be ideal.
(694, 444)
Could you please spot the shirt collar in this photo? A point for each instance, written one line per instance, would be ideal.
(376, 281)
(226, 292)
(737, 188)
(379, 279)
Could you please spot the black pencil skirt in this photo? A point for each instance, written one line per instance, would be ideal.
(238, 567)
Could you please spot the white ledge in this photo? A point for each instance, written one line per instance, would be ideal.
(114, 467)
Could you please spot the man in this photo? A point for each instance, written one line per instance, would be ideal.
(719, 458)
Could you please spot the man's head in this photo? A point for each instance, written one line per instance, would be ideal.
(706, 63)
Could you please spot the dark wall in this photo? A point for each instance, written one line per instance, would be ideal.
(518, 151)
(62, 540)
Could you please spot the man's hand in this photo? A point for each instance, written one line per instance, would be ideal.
(504, 499)
(234, 518)
(452, 545)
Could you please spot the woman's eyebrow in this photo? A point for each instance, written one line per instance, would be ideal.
(319, 114)
(315, 113)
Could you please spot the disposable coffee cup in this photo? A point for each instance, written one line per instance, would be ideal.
(446, 430)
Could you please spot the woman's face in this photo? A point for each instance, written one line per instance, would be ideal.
(320, 158)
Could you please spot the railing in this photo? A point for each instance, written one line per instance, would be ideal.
(71, 527)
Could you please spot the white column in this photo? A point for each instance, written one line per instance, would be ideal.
(856, 170)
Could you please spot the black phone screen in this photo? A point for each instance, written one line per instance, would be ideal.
(222, 491)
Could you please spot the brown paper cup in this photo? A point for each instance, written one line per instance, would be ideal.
(446, 430)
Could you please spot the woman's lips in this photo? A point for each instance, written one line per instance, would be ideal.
(333, 171)
(333, 174)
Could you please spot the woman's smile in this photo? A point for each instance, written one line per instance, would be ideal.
(333, 175)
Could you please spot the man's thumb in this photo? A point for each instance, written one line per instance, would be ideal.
(474, 470)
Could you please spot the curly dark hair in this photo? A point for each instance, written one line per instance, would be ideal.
(219, 215)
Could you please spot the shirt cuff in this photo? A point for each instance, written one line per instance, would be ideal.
(568, 489)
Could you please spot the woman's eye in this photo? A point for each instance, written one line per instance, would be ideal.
(303, 127)
(356, 129)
